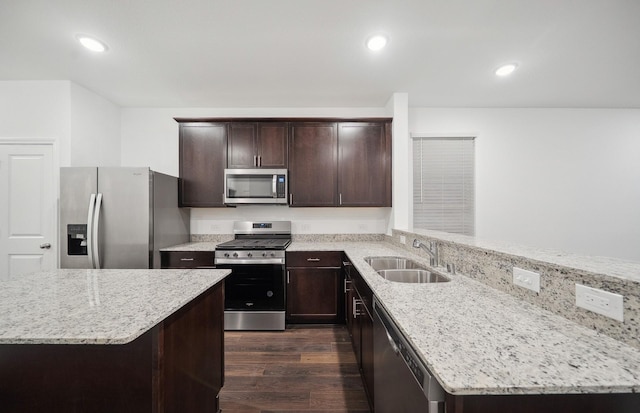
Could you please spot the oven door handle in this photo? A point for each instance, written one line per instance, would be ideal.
(219, 261)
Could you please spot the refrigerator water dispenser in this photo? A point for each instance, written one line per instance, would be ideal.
(77, 239)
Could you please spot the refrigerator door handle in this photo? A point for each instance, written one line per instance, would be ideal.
(92, 206)
(96, 232)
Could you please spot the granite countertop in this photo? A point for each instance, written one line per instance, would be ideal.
(193, 246)
(477, 340)
(614, 267)
(95, 306)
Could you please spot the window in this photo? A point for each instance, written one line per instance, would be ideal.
(444, 184)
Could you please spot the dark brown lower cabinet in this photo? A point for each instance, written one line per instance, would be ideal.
(314, 287)
(176, 366)
(359, 320)
(313, 295)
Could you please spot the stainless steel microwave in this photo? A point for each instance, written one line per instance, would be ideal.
(255, 186)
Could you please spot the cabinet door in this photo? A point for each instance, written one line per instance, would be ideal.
(241, 148)
(367, 355)
(258, 145)
(203, 157)
(272, 142)
(364, 159)
(313, 295)
(313, 164)
(348, 295)
(356, 324)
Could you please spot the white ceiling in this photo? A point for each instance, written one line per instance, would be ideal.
(288, 53)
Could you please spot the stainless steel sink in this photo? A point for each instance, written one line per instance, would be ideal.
(403, 270)
(392, 263)
(412, 276)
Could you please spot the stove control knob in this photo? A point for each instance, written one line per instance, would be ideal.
(235, 255)
(249, 255)
(226, 254)
(273, 254)
(264, 254)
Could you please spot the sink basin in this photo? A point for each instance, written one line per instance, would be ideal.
(392, 263)
(412, 276)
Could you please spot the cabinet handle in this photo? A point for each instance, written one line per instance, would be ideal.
(287, 277)
(355, 307)
(290, 199)
(186, 259)
(340, 198)
(259, 160)
(313, 259)
(347, 283)
(255, 160)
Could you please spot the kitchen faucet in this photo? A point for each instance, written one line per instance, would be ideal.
(432, 250)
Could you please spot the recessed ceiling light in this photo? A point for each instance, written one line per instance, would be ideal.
(506, 70)
(377, 42)
(92, 43)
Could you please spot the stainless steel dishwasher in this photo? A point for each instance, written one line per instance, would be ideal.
(402, 382)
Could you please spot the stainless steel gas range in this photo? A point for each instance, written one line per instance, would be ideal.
(255, 290)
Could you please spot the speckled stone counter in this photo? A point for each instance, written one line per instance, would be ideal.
(95, 306)
(194, 246)
(478, 340)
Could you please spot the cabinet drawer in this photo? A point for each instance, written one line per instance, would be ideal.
(187, 259)
(314, 259)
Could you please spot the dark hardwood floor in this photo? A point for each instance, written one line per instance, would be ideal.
(302, 369)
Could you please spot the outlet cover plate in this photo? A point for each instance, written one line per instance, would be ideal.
(403, 239)
(599, 301)
(526, 279)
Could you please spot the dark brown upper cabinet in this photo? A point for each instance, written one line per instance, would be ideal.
(203, 158)
(313, 164)
(331, 162)
(340, 164)
(364, 164)
(257, 145)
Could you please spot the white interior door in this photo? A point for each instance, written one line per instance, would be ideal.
(27, 209)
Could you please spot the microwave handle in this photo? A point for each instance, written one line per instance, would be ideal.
(274, 185)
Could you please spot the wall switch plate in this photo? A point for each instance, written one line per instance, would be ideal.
(403, 239)
(600, 301)
(526, 279)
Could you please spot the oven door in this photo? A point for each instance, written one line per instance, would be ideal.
(255, 287)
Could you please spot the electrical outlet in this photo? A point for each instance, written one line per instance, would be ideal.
(526, 279)
(600, 301)
(403, 239)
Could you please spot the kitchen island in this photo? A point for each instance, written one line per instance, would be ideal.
(112, 341)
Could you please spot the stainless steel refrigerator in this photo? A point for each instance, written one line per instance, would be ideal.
(118, 217)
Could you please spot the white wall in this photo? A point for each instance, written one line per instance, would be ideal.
(564, 179)
(303, 220)
(398, 107)
(150, 138)
(84, 126)
(36, 110)
(95, 129)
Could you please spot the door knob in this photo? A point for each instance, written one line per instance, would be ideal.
(45, 246)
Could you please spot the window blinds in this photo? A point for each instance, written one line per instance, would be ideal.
(444, 184)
